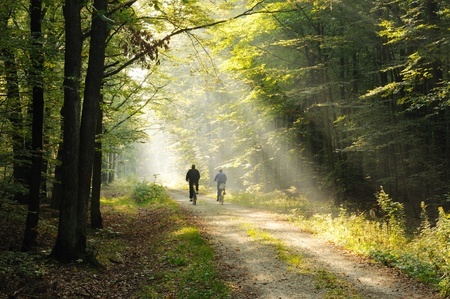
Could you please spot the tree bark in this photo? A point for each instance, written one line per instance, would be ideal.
(96, 215)
(90, 113)
(37, 78)
(55, 201)
(66, 247)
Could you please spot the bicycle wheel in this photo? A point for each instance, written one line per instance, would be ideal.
(221, 198)
(194, 199)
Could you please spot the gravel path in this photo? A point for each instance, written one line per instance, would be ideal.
(253, 270)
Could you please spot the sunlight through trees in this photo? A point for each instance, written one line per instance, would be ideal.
(332, 99)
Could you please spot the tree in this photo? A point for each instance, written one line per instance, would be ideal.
(37, 82)
(71, 241)
(413, 80)
(67, 247)
(91, 107)
(16, 105)
(366, 106)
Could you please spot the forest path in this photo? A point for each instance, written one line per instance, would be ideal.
(251, 266)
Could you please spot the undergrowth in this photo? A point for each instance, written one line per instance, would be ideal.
(185, 266)
(190, 272)
(423, 254)
(148, 246)
(146, 193)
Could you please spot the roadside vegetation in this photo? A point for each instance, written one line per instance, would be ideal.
(190, 269)
(149, 248)
(380, 234)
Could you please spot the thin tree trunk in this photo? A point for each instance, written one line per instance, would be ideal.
(112, 168)
(96, 215)
(55, 201)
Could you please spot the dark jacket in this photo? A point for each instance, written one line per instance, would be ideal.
(193, 175)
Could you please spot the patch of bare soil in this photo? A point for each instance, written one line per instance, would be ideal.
(254, 271)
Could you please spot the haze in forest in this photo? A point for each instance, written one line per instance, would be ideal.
(206, 100)
(323, 99)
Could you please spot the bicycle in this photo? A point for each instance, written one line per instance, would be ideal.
(194, 198)
(221, 192)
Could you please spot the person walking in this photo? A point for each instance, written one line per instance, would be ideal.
(221, 178)
(193, 176)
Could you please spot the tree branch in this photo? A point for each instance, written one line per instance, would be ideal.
(163, 41)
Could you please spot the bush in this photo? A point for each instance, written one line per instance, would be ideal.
(145, 192)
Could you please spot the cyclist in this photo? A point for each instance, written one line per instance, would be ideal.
(221, 178)
(193, 176)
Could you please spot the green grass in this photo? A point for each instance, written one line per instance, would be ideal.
(284, 254)
(191, 272)
(183, 264)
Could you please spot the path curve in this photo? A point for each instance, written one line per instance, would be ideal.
(254, 271)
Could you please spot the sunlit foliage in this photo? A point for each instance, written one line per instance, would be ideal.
(379, 234)
(146, 193)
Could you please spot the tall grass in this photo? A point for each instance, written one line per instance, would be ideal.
(423, 254)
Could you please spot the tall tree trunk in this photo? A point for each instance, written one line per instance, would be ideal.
(46, 169)
(66, 247)
(94, 78)
(37, 78)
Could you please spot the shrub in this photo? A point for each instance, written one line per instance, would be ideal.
(145, 192)
(393, 220)
(432, 248)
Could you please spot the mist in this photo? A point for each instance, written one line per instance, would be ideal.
(212, 120)
(159, 162)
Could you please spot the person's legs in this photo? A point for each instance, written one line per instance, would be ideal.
(191, 189)
(218, 192)
(196, 186)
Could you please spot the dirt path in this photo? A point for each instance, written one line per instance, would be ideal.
(254, 271)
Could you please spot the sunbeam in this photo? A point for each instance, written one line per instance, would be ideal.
(158, 161)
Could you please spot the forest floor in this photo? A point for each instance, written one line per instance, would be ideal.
(256, 250)
(259, 255)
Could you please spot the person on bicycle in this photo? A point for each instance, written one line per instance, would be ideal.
(221, 178)
(193, 176)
